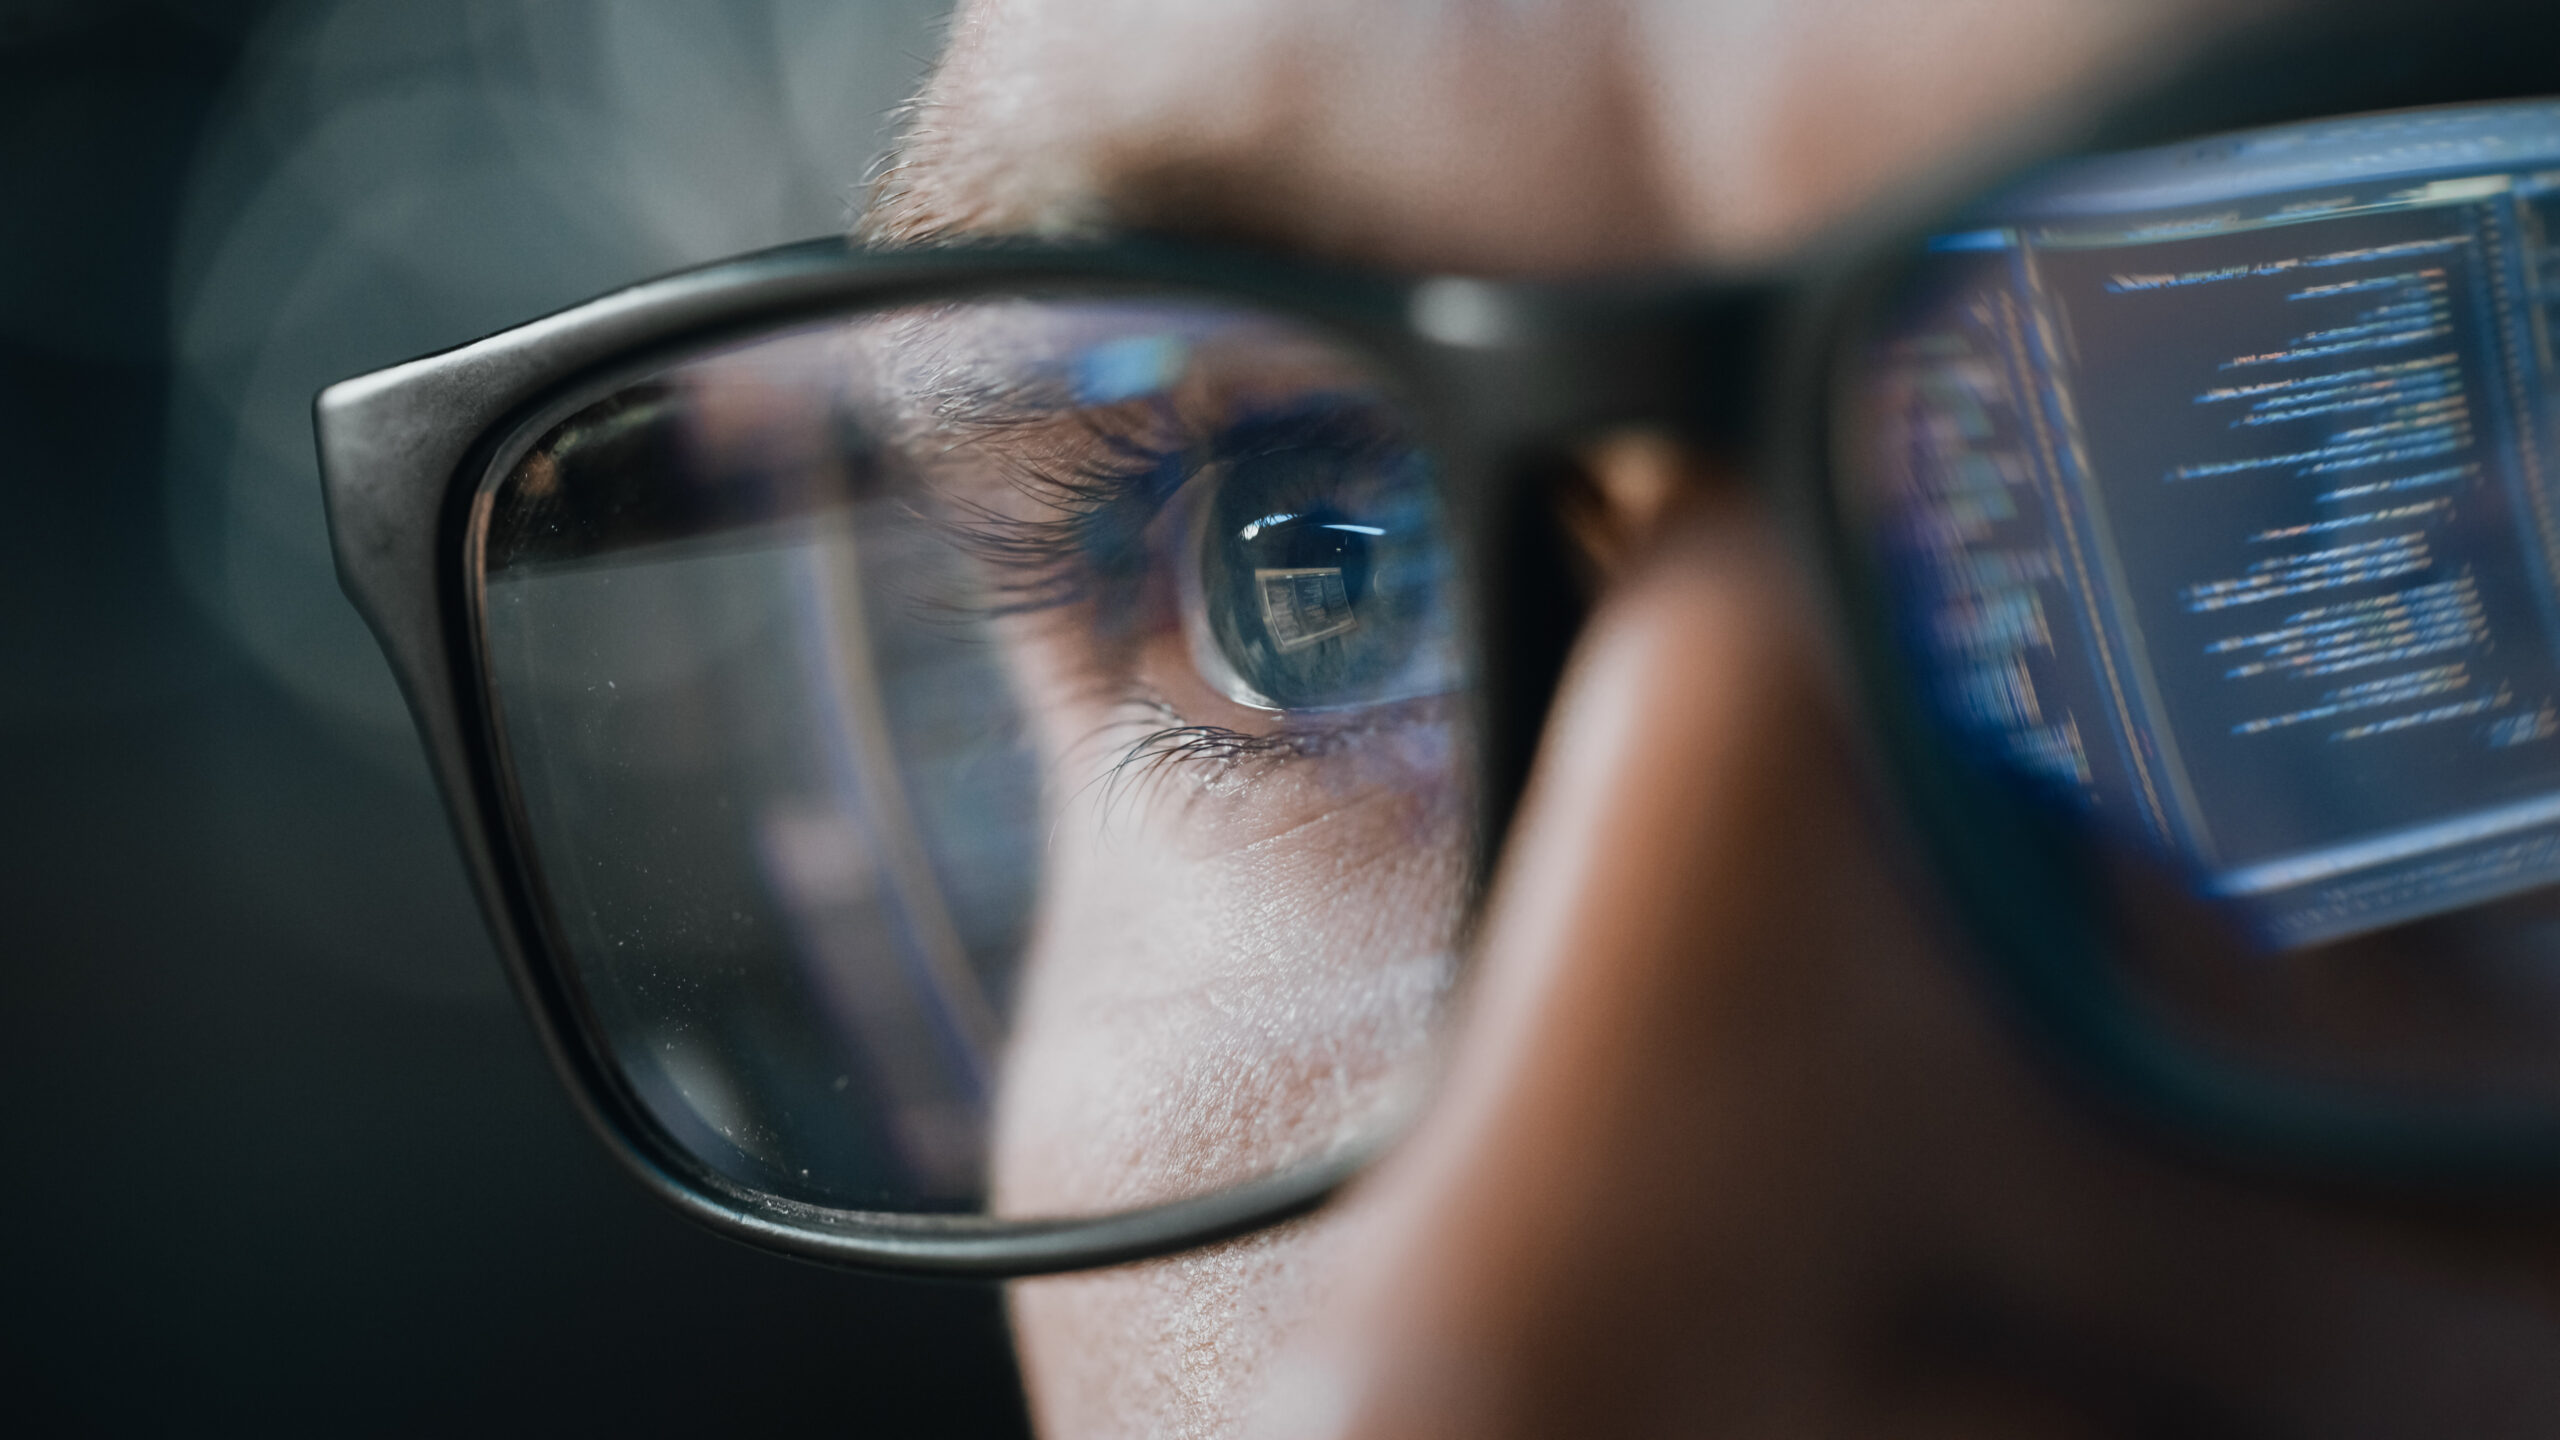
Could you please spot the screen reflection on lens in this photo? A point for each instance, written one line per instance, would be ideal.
(946, 795)
(2213, 485)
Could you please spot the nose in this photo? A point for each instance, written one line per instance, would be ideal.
(1657, 1137)
(1731, 1143)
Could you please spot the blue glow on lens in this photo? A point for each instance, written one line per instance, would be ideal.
(1123, 369)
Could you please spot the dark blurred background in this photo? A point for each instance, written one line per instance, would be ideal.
(280, 1153)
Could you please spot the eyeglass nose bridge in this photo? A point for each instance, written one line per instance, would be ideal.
(1528, 378)
(1533, 369)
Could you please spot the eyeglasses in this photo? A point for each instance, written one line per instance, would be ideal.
(983, 759)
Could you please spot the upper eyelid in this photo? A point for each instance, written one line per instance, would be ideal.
(1102, 499)
(1087, 504)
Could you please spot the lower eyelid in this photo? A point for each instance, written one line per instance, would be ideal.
(1290, 735)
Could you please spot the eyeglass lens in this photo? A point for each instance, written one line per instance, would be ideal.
(1003, 755)
(2214, 489)
(1012, 754)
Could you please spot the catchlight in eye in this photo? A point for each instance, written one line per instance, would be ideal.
(1318, 572)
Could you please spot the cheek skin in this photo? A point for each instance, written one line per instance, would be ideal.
(1186, 1025)
(1227, 972)
(1181, 1346)
(1235, 966)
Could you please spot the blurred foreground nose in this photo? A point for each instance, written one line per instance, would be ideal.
(1640, 1205)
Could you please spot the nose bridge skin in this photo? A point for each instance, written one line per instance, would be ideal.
(1729, 1145)
(1651, 1144)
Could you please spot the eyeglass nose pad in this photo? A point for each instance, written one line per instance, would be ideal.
(1588, 515)
(1620, 492)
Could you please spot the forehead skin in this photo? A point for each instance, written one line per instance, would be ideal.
(1503, 136)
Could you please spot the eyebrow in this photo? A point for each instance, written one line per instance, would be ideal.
(936, 184)
(951, 175)
(934, 187)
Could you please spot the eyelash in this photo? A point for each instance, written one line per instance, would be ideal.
(1100, 500)
(1106, 497)
(1184, 743)
(1104, 494)
(1175, 744)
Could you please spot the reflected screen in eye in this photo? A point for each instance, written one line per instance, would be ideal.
(2216, 482)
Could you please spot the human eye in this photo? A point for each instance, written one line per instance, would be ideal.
(1316, 569)
(1226, 537)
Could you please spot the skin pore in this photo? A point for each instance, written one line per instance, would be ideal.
(1728, 1144)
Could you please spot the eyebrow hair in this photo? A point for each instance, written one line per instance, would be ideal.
(949, 176)
(940, 183)
(935, 185)
(901, 203)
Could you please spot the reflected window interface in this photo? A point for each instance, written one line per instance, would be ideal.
(2220, 478)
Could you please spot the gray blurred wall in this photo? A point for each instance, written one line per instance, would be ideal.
(279, 1153)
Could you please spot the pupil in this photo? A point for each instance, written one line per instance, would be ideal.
(1310, 578)
(1298, 580)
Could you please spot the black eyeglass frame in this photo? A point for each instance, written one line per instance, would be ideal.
(1509, 376)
